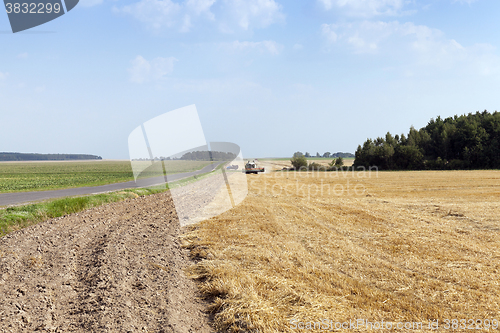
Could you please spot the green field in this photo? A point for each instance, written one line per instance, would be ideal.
(41, 176)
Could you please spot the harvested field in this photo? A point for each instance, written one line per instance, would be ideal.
(393, 246)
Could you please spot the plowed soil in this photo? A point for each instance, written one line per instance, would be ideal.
(115, 268)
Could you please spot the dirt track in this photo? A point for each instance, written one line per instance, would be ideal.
(115, 268)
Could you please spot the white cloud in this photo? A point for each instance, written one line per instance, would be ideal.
(23, 55)
(254, 13)
(40, 89)
(194, 9)
(266, 46)
(186, 24)
(371, 37)
(155, 14)
(3, 76)
(200, 7)
(298, 46)
(367, 36)
(143, 71)
(159, 14)
(182, 16)
(465, 1)
(365, 8)
(329, 32)
(410, 43)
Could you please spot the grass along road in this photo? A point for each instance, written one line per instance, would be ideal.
(19, 217)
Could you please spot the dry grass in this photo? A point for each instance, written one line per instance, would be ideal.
(409, 246)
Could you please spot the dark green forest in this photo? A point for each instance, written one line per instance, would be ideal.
(469, 141)
(46, 157)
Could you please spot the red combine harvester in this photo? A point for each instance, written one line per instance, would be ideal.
(251, 167)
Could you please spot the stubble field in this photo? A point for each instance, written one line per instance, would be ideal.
(332, 247)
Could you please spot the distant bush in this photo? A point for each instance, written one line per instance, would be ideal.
(299, 162)
(208, 156)
(298, 154)
(343, 168)
(316, 167)
(338, 162)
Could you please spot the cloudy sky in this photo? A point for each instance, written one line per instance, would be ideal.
(273, 76)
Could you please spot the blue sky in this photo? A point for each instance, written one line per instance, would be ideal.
(272, 76)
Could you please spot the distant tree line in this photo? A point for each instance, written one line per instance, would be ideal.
(325, 155)
(300, 163)
(208, 156)
(46, 157)
(469, 141)
(154, 159)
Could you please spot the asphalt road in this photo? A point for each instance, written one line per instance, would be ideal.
(7, 199)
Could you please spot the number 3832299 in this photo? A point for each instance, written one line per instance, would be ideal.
(32, 8)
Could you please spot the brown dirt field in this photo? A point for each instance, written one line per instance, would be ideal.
(406, 247)
(115, 268)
